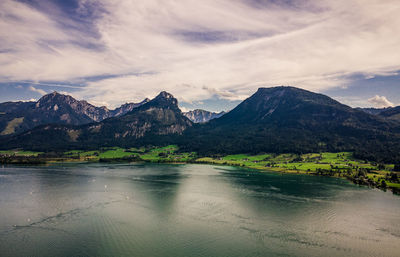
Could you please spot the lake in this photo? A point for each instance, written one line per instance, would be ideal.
(190, 210)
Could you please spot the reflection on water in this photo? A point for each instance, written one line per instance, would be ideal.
(190, 210)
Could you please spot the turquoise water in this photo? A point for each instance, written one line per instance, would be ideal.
(190, 210)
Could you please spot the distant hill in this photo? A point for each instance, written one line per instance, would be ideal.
(373, 111)
(288, 119)
(54, 108)
(201, 116)
(151, 123)
(391, 113)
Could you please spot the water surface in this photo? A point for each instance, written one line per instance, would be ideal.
(190, 210)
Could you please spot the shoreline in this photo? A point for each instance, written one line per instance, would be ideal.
(359, 182)
(49, 161)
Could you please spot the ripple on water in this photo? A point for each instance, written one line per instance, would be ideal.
(190, 210)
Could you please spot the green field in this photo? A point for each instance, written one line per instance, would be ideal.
(167, 154)
(341, 164)
(328, 164)
(19, 153)
(306, 162)
(155, 154)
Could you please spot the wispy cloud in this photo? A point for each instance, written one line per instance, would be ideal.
(37, 90)
(197, 49)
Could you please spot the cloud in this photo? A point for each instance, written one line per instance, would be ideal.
(227, 48)
(27, 100)
(224, 94)
(37, 90)
(380, 101)
(184, 109)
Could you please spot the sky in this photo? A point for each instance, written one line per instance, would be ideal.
(210, 54)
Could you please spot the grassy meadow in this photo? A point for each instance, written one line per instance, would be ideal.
(341, 164)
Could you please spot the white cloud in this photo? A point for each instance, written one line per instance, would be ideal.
(184, 109)
(380, 101)
(314, 46)
(37, 90)
(27, 100)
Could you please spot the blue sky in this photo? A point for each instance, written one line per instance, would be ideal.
(209, 54)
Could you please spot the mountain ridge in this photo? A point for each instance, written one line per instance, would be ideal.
(157, 118)
(54, 108)
(288, 119)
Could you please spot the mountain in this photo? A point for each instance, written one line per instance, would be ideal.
(148, 123)
(16, 117)
(288, 119)
(155, 122)
(201, 116)
(70, 110)
(51, 108)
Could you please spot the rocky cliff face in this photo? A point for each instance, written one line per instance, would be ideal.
(56, 104)
(160, 116)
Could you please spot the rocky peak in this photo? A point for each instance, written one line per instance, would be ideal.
(55, 98)
(53, 95)
(165, 95)
(164, 100)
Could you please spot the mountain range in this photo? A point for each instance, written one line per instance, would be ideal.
(16, 117)
(152, 119)
(55, 108)
(277, 120)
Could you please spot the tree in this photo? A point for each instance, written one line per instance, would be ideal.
(394, 177)
(384, 185)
